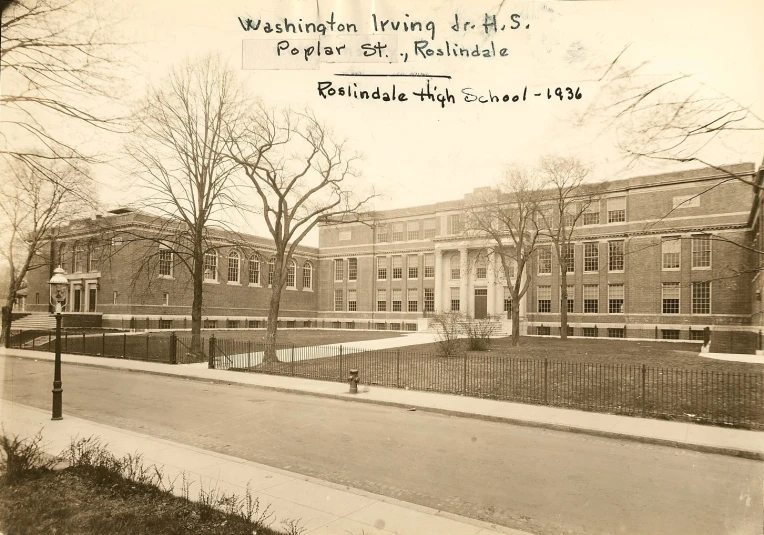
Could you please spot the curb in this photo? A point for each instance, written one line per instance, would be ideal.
(701, 448)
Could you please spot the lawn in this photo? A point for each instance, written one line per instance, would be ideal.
(655, 379)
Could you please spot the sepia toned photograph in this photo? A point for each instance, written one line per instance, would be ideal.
(381, 268)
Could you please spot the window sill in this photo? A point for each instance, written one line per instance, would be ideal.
(254, 285)
(233, 283)
(704, 268)
(166, 277)
(211, 282)
(671, 269)
(291, 288)
(544, 274)
(307, 289)
(616, 271)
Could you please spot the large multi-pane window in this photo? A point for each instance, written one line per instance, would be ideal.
(352, 269)
(591, 215)
(591, 256)
(544, 298)
(381, 300)
(571, 300)
(396, 299)
(507, 301)
(455, 300)
(455, 223)
(397, 265)
(701, 297)
(397, 232)
(615, 298)
(382, 233)
(429, 228)
(165, 262)
(671, 252)
(80, 252)
(62, 256)
(701, 251)
(292, 274)
(211, 266)
(233, 266)
(568, 252)
(615, 256)
(429, 300)
(338, 300)
(412, 230)
(271, 270)
(429, 266)
(569, 218)
(307, 276)
(412, 263)
(670, 298)
(352, 301)
(545, 260)
(254, 269)
(481, 267)
(616, 209)
(382, 268)
(456, 271)
(413, 299)
(591, 299)
(93, 257)
(339, 269)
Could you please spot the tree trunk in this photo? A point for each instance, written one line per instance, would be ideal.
(563, 303)
(196, 308)
(6, 331)
(515, 338)
(269, 356)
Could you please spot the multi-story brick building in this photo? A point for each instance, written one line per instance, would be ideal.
(659, 256)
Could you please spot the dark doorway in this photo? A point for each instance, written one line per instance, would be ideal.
(77, 301)
(481, 303)
(92, 300)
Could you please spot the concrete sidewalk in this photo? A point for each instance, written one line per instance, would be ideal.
(320, 507)
(742, 443)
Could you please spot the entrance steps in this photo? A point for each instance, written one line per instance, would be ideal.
(34, 322)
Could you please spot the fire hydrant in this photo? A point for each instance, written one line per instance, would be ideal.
(353, 380)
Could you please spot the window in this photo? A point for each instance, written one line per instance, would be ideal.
(232, 324)
(307, 276)
(165, 324)
(481, 267)
(545, 260)
(615, 298)
(701, 297)
(671, 292)
(544, 298)
(253, 324)
(37, 298)
(591, 332)
(412, 263)
(456, 271)
(93, 257)
(507, 301)
(671, 251)
(381, 233)
(429, 300)
(591, 215)
(616, 333)
(381, 300)
(569, 218)
(591, 299)
(165, 299)
(697, 334)
(397, 267)
(292, 274)
(685, 201)
(339, 270)
(544, 330)
(381, 268)
(616, 210)
(591, 257)
(455, 224)
(79, 257)
(165, 263)
(338, 300)
(413, 299)
(352, 301)
(397, 232)
(670, 334)
(233, 266)
(568, 252)
(571, 291)
(412, 230)
(254, 269)
(454, 299)
(429, 228)
(396, 299)
(615, 256)
(701, 251)
(352, 269)
(114, 298)
(211, 266)
(271, 270)
(429, 266)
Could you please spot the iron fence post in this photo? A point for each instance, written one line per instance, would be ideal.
(66, 342)
(173, 348)
(292, 366)
(546, 366)
(211, 361)
(103, 344)
(464, 377)
(398, 368)
(124, 344)
(644, 401)
(83, 343)
(341, 378)
(33, 339)
(147, 346)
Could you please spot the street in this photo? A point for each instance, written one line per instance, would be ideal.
(538, 480)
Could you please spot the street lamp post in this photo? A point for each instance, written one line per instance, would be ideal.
(58, 284)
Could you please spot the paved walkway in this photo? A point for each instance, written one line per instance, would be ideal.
(737, 442)
(735, 357)
(321, 507)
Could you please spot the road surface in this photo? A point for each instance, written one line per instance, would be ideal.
(543, 481)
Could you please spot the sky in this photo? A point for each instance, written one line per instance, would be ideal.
(420, 152)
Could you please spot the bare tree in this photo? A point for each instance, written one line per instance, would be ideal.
(301, 175)
(179, 149)
(507, 216)
(566, 199)
(57, 59)
(32, 205)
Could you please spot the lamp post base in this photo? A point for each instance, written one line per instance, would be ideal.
(57, 403)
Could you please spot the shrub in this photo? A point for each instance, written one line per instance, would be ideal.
(479, 332)
(448, 328)
(21, 456)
